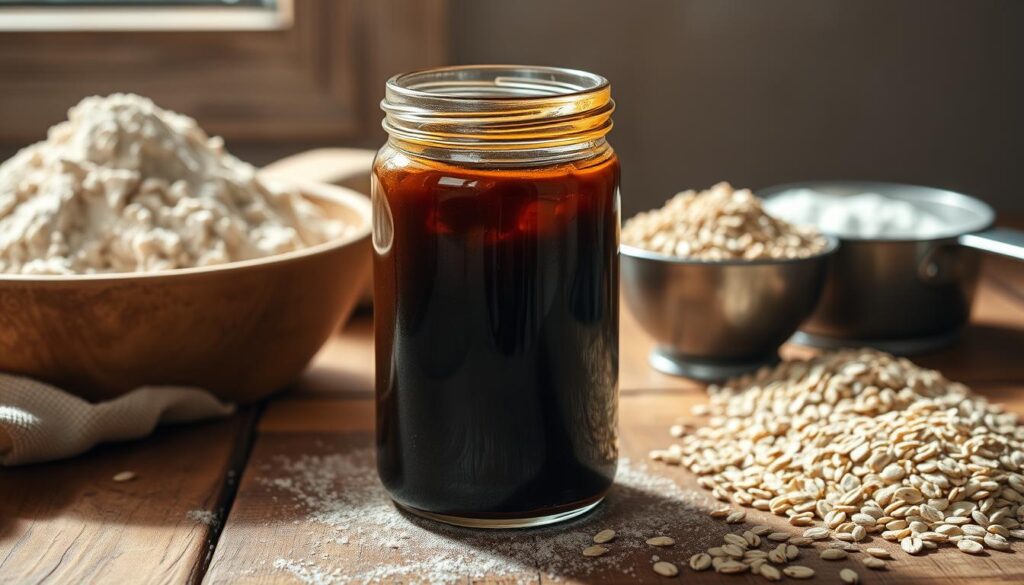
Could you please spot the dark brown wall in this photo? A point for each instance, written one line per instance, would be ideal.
(762, 92)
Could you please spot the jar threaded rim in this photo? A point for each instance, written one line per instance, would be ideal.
(499, 112)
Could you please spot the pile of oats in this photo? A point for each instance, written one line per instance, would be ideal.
(862, 443)
(719, 224)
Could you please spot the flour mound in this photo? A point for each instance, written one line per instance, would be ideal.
(125, 186)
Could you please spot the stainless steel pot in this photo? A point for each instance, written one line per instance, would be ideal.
(904, 296)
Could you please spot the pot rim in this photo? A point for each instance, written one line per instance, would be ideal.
(934, 195)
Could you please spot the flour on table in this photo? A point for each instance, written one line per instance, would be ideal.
(203, 517)
(125, 186)
(340, 493)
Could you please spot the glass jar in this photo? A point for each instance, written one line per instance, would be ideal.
(496, 228)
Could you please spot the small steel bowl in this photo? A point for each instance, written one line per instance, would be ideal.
(712, 320)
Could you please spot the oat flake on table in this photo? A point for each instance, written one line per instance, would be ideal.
(341, 494)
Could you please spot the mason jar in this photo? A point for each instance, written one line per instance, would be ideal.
(496, 228)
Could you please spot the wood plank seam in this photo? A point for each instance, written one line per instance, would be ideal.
(245, 438)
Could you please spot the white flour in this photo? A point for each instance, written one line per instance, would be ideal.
(864, 215)
(341, 494)
(203, 517)
(125, 186)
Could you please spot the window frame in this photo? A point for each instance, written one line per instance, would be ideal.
(317, 80)
(112, 18)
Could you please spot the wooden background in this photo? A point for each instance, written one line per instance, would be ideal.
(270, 93)
(757, 93)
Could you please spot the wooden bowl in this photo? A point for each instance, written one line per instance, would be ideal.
(241, 330)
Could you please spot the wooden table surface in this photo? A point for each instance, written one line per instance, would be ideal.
(285, 492)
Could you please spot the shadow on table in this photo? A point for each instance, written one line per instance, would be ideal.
(635, 513)
(320, 495)
(177, 469)
(986, 354)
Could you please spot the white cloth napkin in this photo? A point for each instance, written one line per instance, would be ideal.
(39, 422)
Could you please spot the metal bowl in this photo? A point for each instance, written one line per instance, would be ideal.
(903, 295)
(712, 320)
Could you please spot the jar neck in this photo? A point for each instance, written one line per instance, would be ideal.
(499, 115)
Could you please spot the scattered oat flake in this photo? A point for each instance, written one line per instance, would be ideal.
(792, 552)
(665, 569)
(594, 551)
(970, 546)
(834, 554)
(736, 539)
(846, 546)
(816, 533)
(849, 576)
(736, 517)
(720, 512)
(731, 566)
(877, 552)
(800, 541)
(874, 563)
(125, 476)
(604, 536)
(700, 562)
(660, 541)
(798, 572)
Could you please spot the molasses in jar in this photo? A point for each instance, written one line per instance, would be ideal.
(496, 215)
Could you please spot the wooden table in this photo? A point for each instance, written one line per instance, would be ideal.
(284, 492)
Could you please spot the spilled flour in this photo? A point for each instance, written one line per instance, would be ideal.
(203, 517)
(341, 493)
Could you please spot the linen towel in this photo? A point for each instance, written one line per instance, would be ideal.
(39, 422)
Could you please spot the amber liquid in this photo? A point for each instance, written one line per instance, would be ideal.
(496, 316)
